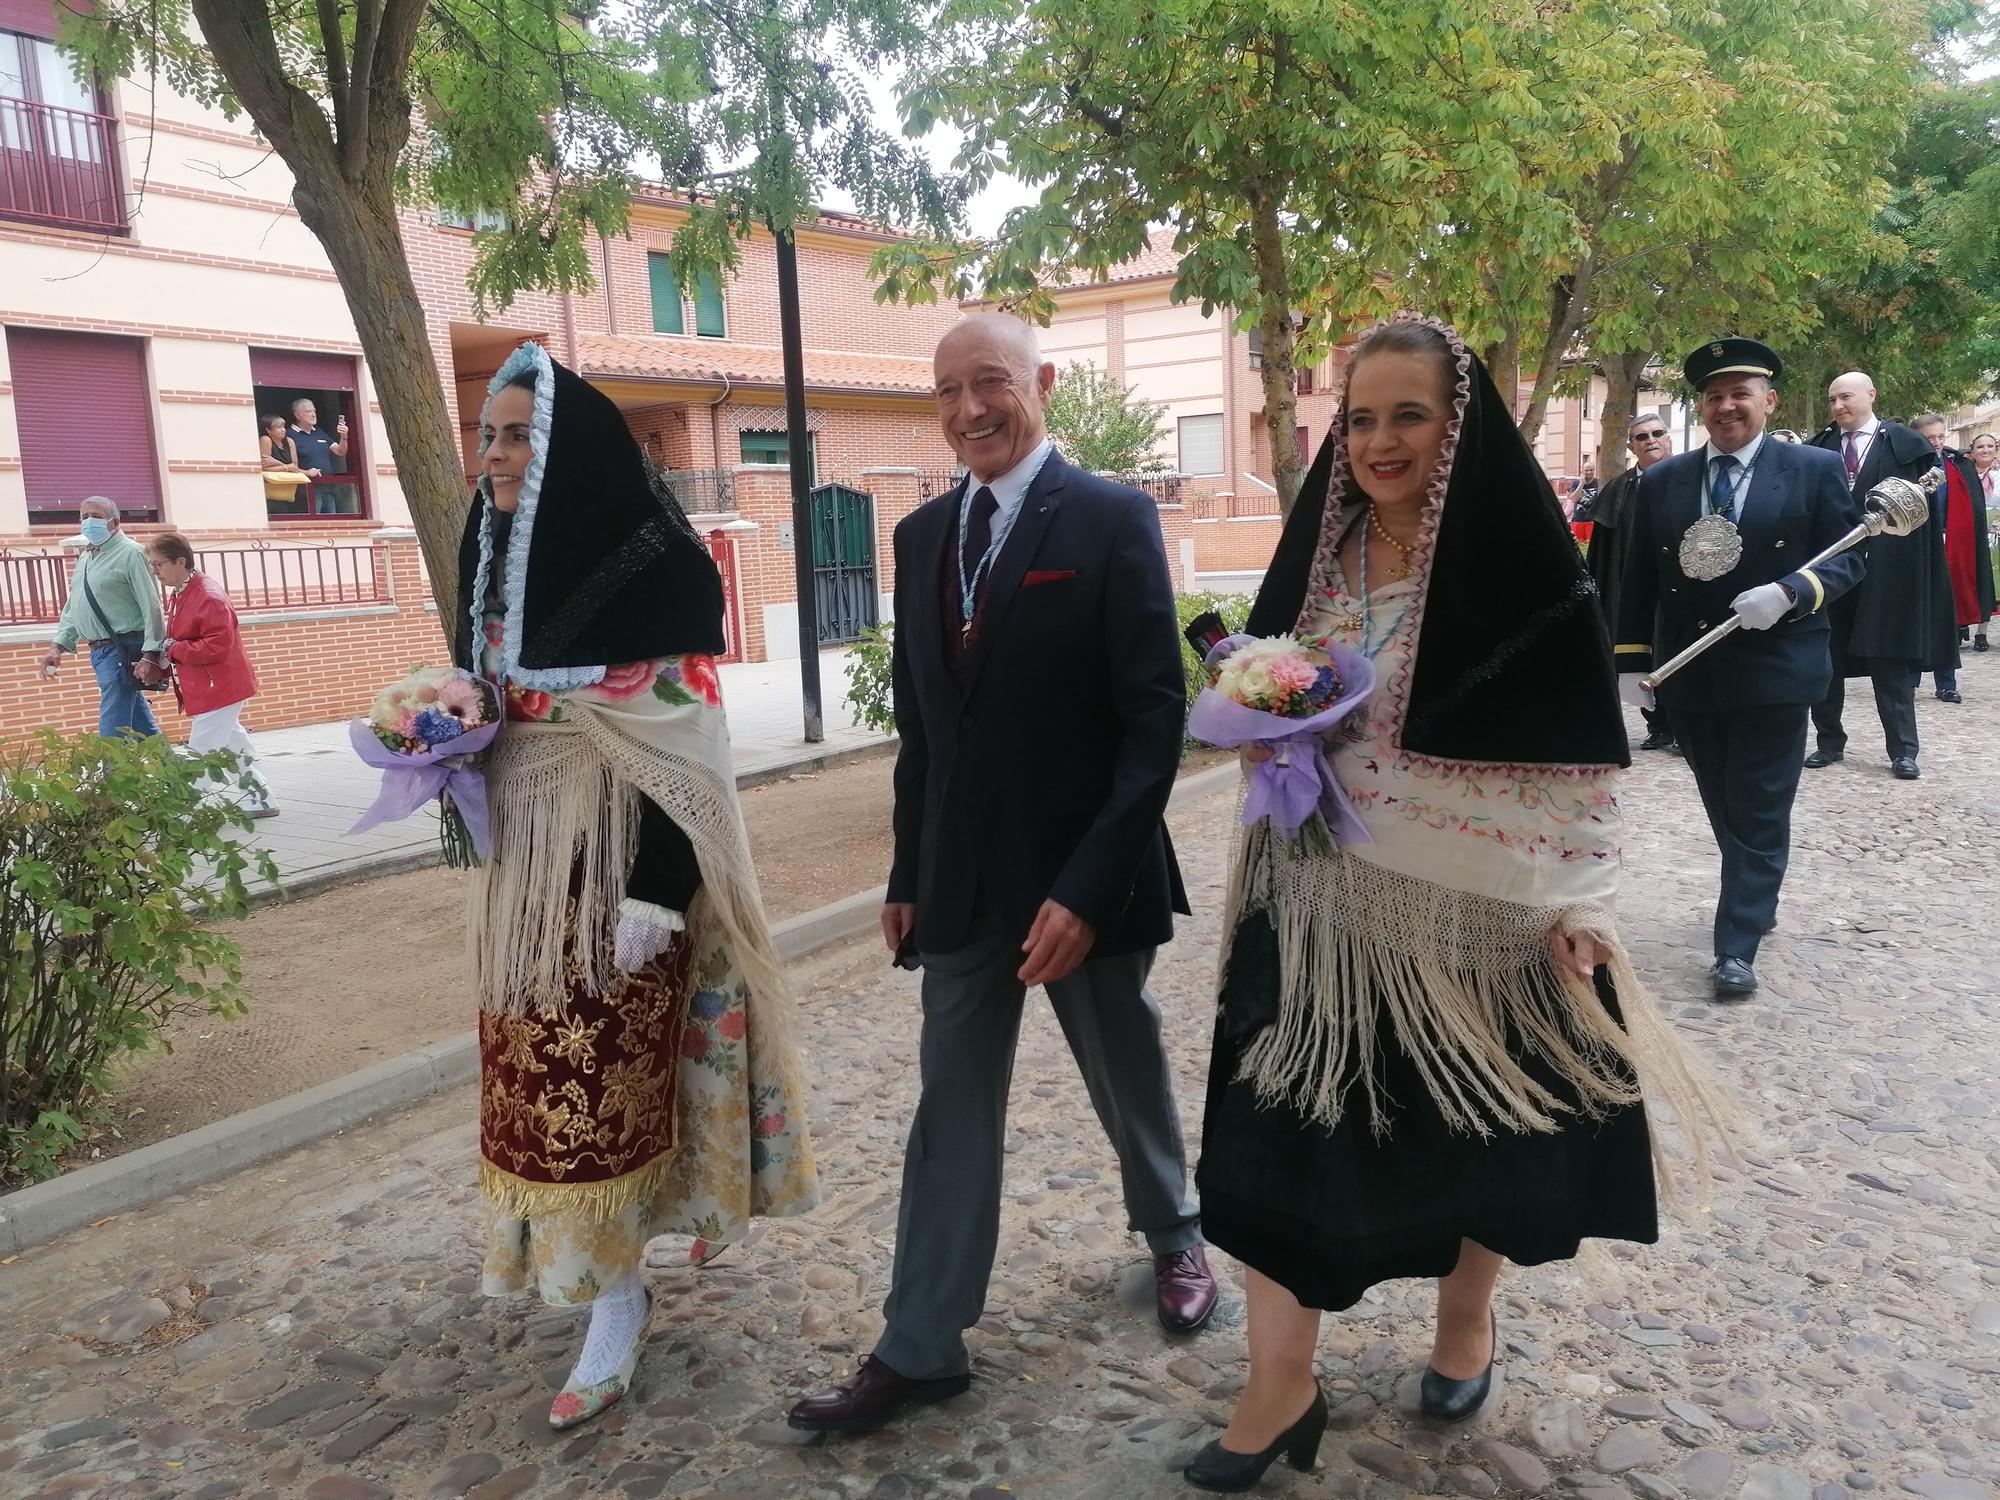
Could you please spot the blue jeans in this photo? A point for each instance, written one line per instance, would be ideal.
(121, 706)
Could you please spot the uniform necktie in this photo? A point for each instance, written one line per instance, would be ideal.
(1852, 456)
(1722, 487)
(978, 537)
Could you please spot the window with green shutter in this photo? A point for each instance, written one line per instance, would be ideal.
(773, 448)
(708, 321)
(667, 315)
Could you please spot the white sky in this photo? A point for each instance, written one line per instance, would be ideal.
(985, 211)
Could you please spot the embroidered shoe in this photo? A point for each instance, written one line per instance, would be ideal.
(577, 1404)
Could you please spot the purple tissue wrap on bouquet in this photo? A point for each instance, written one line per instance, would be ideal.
(1296, 781)
(409, 781)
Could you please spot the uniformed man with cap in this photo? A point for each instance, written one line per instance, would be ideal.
(1726, 529)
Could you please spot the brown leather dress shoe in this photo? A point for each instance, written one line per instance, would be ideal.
(1186, 1289)
(874, 1395)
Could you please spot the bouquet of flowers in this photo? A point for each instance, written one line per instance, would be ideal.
(1285, 694)
(422, 733)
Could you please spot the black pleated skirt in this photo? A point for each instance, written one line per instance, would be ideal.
(1328, 1213)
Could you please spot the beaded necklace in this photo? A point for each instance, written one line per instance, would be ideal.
(1363, 627)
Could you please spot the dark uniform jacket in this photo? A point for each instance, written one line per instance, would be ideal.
(1610, 534)
(1040, 767)
(1902, 615)
(1797, 505)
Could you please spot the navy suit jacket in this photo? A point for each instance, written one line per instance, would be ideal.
(1798, 504)
(1046, 775)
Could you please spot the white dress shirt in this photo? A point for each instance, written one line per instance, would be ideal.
(1746, 457)
(1009, 490)
(1864, 439)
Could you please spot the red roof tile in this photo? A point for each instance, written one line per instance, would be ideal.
(666, 358)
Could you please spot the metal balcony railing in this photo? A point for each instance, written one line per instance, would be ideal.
(56, 166)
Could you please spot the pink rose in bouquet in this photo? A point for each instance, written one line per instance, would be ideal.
(423, 733)
(1285, 695)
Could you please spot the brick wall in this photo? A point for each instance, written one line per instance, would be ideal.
(312, 665)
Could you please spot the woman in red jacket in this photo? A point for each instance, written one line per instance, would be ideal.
(212, 675)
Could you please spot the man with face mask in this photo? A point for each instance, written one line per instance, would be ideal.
(1897, 624)
(115, 605)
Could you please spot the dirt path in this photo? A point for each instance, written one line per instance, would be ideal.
(370, 971)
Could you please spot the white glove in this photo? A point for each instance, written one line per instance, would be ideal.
(644, 932)
(1762, 607)
(1632, 688)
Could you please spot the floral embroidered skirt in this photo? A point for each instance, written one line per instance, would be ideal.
(647, 1109)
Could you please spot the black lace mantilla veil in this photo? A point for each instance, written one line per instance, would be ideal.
(1513, 665)
(614, 570)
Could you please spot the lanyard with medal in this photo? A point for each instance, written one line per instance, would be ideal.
(1713, 546)
(968, 588)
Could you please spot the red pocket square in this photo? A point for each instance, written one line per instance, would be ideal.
(1051, 575)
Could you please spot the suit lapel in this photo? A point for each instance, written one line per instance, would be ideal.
(1038, 509)
(931, 561)
(1770, 489)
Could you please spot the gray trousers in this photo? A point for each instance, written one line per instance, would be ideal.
(948, 1226)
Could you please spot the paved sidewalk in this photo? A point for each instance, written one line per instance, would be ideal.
(311, 1328)
(324, 788)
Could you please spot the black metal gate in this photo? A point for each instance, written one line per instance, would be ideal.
(844, 562)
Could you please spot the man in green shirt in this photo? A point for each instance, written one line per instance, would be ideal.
(115, 605)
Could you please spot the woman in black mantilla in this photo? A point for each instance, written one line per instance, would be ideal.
(1430, 1047)
(638, 1072)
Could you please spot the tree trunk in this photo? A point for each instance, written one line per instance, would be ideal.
(1503, 363)
(364, 240)
(345, 191)
(1280, 372)
(1569, 300)
(1622, 374)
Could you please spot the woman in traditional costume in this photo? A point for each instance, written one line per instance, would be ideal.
(1430, 1048)
(639, 1072)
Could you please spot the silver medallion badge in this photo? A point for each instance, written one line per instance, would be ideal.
(1710, 548)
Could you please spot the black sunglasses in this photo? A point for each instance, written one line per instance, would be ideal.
(1647, 437)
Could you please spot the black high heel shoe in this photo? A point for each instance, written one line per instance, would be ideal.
(1225, 1472)
(1448, 1400)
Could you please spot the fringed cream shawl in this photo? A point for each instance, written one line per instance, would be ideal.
(1438, 933)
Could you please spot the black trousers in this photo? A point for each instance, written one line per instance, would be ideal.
(1895, 703)
(1747, 763)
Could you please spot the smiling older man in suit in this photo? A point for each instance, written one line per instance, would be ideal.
(1040, 702)
(1727, 529)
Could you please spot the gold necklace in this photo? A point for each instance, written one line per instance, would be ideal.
(1402, 569)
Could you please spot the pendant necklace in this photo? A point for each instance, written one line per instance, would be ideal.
(1375, 524)
(1370, 648)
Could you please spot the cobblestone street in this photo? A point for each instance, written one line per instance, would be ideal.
(1830, 1329)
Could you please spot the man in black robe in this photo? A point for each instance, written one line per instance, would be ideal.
(1647, 439)
(1897, 623)
(1967, 553)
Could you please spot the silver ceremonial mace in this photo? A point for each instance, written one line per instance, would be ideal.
(1895, 506)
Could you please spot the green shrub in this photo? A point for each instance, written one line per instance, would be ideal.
(871, 691)
(112, 865)
(1234, 609)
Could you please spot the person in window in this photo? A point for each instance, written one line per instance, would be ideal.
(281, 454)
(212, 675)
(639, 1069)
(113, 604)
(322, 454)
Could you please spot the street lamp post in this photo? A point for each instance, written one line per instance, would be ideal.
(799, 455)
